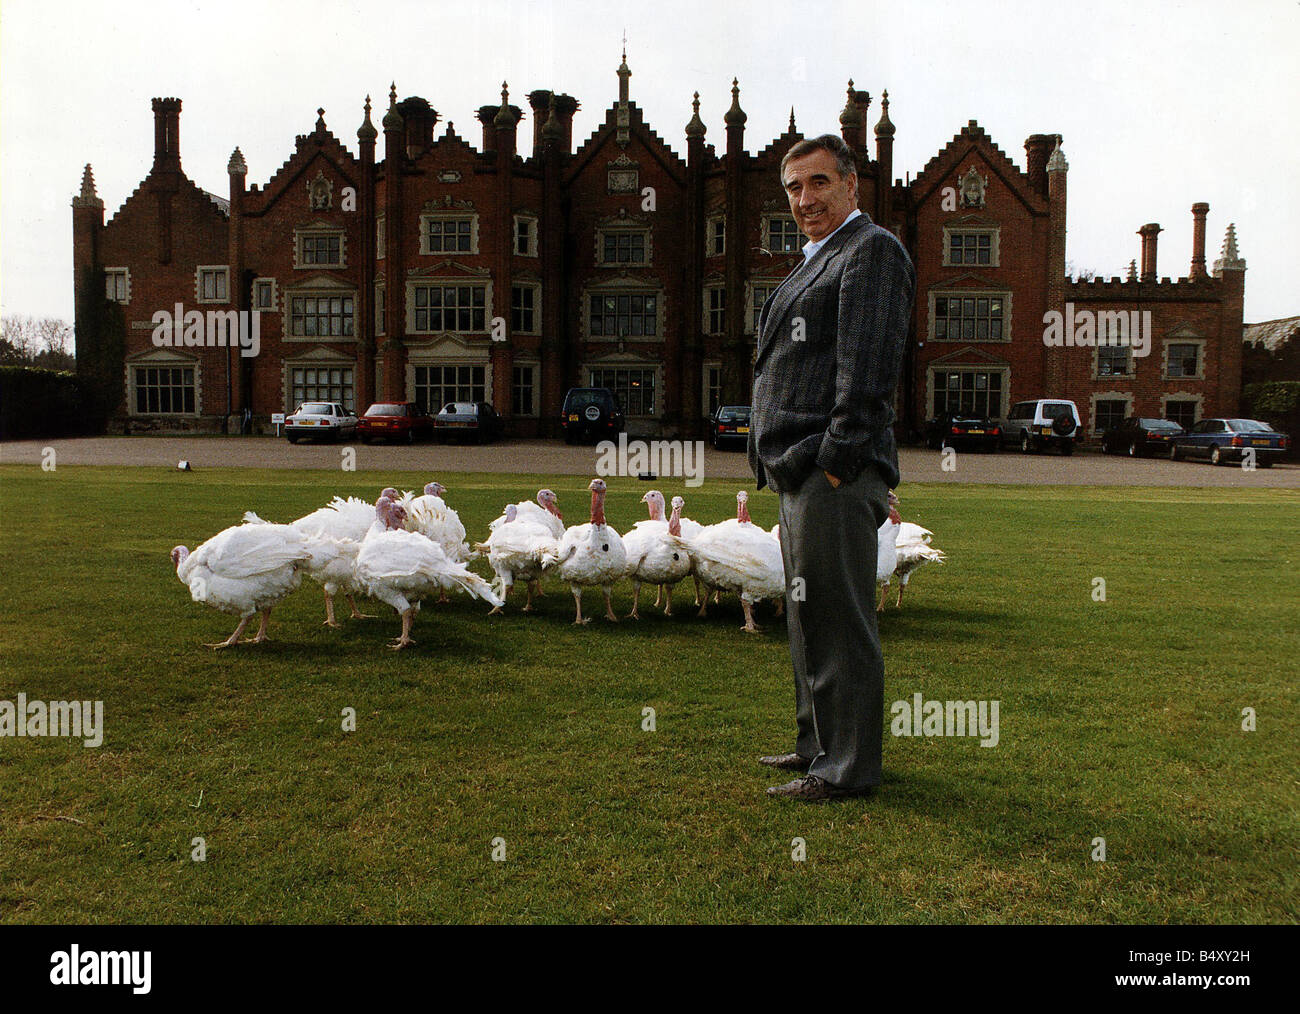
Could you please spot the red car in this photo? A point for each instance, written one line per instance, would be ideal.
(394, 421)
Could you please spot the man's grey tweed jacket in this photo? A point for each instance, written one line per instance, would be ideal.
(830, 347)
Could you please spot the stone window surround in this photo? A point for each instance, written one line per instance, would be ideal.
(1125, 396)
(981, 230)
(1182, 340)
(942, 291)
(604, 230)
(446, 216)
(1004, 370)
(198, 283)
(122, 271)
(317, 290)
(313, 231)
(164, 357)
(456, 281)
(275, 306)
(637, 288)
(533, 221)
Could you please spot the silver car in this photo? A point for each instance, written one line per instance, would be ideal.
(321, 420)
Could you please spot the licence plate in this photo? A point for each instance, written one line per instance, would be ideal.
(1262, 443)
(975, 433)
(573, 418)
(742, 429)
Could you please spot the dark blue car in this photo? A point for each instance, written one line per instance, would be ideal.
(1224, 440)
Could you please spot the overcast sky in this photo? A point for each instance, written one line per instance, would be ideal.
(1161, 104)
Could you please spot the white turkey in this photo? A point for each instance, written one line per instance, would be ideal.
(335, 532)
(515, 551)
(244, 570)
(590, 555)
(400, 568)
(690, 529)
(545, 512)
(914, 551)
(656, 552)
(887, 547)
(737, 555)
(431, 517)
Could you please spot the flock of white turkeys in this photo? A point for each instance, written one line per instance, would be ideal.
(404, 548)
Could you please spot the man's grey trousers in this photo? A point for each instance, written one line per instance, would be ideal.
(828, 539)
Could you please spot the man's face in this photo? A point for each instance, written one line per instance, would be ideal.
(820, 198)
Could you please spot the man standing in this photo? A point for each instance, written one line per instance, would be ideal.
(830, 345)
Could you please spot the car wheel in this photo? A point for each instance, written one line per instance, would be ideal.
(410, 436)
(1025, 446)
(1067, 447)
(1174, 454)
(1216, 455)
(1265, 463)
(293, 440)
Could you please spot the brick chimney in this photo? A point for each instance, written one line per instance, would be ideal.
(167, 135)
(1038, 148)
(1199, 211)
(1149, 232)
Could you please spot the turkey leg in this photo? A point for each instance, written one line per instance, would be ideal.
(233, 639)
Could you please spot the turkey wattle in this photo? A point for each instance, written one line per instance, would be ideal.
(739, 556)
(400, 568)
(656, 552)
(590, 555)
(244, 570)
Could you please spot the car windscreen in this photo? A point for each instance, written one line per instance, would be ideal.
(1158, 424)
(316, 409)
(734, 415)
(1056, 409)
(1249, 426)
(376, 410)
(458, 408)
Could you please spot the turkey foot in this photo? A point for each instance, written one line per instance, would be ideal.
(233, 639)
(401, 642)
(609, 606)
(330, 621)
(579, 620)
(260, 636)
(357, 614)
(750, 626)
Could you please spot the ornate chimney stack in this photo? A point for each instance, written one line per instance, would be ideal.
(1199, 211)
(167, 135)
(1038, 148)
(1149, 232)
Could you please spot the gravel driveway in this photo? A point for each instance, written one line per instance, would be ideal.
(553, 457)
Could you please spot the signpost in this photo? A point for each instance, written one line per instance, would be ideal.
(277, 419)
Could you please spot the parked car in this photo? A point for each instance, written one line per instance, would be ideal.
(963, 429)
(729, 424)
(1137, 436)
(467, 420)
(321, 420)
(394, 420)
(1045, 422)
(1224, 440)
(590, 414)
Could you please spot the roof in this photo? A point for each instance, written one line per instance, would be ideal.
(221, 202)
(1271, 333)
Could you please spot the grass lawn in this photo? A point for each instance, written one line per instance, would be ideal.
(1119, 719)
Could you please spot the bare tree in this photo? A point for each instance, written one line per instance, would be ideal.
(26, 341)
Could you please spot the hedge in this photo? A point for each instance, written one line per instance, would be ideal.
(39, 403)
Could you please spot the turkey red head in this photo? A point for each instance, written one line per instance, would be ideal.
(434, 489)
(675, 519)
(654, 501)
(390, 513)
(597, 487)
(179, 553)
(391, 494)
(546, 498)
(894, 516)
(742, 508)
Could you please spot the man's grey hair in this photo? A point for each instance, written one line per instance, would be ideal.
(827, 142)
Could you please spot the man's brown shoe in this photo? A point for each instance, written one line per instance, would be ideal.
(813, 789)
(787, 761)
